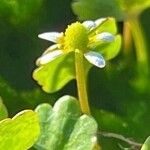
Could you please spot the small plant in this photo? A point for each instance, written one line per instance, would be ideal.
(82, 44)
(66, 126)
(71, 124)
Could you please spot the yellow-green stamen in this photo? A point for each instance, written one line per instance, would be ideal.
(76, 37)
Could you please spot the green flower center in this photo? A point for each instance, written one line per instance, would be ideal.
(76, 37)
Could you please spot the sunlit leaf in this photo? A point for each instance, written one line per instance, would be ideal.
(54, 75)
(20, 132)
(64, 127)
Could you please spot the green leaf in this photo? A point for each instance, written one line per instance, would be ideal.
(3, 110)
(54, 75)
(63, 127)
(20, 132)
(93, 9)
(119, 9)
(81, 133)
(146, 145)
(110, 50)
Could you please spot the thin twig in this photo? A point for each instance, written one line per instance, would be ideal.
(120, 137)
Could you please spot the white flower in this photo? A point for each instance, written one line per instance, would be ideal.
(78, 34)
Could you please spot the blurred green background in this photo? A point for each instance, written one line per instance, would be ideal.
(116, 104)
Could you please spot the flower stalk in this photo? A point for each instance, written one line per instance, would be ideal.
(141, 54)
(84, 39)
(81, 82)
(127, 39)
(141, 49)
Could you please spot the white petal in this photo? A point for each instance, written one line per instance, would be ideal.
(44, 59)
(89, 24)
(105, 36)
(95, 59)
(51, 36)
(100, 21)
(51, 48)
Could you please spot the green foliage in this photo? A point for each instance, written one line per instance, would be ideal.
(120, 108)
(146, 145)
(19, 45)
(20, 132)
(134, 6)
(64, 127)
(117, 102)
(3, 110)
(18, 12)
(120, 9)
(54, 75)
(16, 101)
(105, 118)
(93, 9)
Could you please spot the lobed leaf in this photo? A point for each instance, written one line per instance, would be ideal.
(20, 132)
(63, 127)
(54, 75)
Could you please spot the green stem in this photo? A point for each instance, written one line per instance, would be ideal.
(141, 49)
(81, 85)
(81, 82)
(127, 39)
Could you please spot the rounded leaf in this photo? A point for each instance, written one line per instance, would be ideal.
(55, 74)
(64, 127)
(20, 132)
